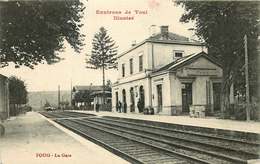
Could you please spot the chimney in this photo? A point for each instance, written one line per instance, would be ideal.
(152, 30)
(165, 32)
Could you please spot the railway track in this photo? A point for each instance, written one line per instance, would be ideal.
(57, 115)
(140, 143)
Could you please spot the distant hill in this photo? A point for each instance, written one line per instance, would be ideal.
(38, 99)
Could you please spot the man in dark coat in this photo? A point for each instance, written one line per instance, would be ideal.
(97, 107)
(139, 105)
(125, 107)
(119, 106)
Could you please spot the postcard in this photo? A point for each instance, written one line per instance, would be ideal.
(120, 81)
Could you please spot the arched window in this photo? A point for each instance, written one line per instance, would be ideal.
(116, 97)
(124, 96)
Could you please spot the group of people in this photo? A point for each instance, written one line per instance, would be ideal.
(122, 107)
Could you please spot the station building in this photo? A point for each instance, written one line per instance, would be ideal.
(81, 90)
(82, 95)
(171, 73)
(4, 97)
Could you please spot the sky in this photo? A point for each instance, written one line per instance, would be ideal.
(72, 70)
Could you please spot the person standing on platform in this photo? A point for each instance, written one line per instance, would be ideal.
(97, 107)
(125, 107)
(119, 106)
(139, 105)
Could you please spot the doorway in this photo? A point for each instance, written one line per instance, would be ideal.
(216, 96)
(142, 99)
(132, 99)
(117, 102)
(186, 97)
(124, 105)
(159, 97)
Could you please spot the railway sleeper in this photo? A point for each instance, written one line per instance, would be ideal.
(180, 154)
(172, 129)
(251, 154)
(151, 141)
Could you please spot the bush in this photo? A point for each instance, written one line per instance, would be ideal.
(240, 112)
(255, 113)
(75, 108)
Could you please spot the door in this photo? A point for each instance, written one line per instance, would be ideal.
(216, 96)
(186, 97)
(142, 98)
(159, 97)
(124, 105)
(132, 99)
(117, 102)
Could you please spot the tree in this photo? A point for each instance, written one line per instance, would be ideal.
(84, 96)
(103, 54)
(87, 96)
(222, 25)
(18, 93)
(34, 32)
(108, 85)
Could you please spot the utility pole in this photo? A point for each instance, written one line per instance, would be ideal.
(103, 88)
(247, 81)
(58, 96)
(71, 91)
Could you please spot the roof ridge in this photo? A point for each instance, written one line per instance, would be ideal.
(171, 36)
(180, 61)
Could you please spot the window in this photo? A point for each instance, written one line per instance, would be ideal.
(131, 65)
(140, 63)
(123, 70)
(178, 54)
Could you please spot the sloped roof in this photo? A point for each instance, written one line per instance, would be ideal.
(2, 76)
(87, 87)
(101, 92)
(171, 39)
(187, 59)
(171, 36)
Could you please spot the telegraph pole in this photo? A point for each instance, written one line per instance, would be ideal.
(247, 81)
(58, 96)
(71, 91)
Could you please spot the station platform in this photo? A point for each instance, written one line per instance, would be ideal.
(33, 139)
(208, 122)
